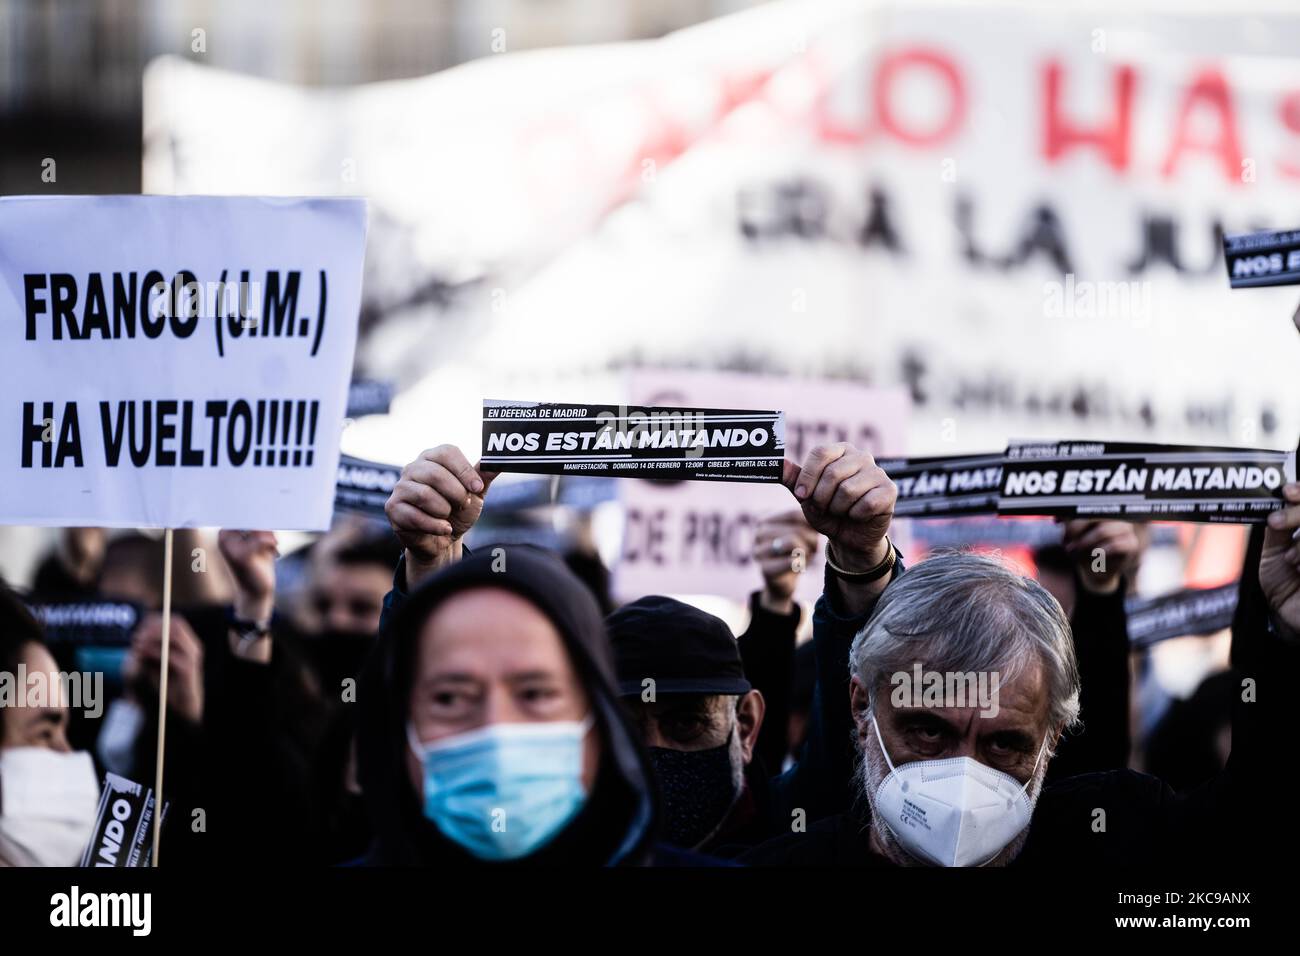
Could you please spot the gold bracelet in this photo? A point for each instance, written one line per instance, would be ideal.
(875, 574)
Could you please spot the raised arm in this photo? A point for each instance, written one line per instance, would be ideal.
(782, 546)
(847, 497)
(432, 507)
(1106, 555)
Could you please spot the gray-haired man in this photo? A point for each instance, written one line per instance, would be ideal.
(963, 682)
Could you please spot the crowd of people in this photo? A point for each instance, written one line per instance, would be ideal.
(417, 702)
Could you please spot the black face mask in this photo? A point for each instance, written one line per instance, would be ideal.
(698, 789)
(336, 656)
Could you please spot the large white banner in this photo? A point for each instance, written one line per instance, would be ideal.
(174, 362)
(1012, 210)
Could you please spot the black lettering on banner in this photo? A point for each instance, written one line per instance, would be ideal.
(1132, 481)
(216, 411)
(634, 441)
(59, 438)
(168, 433)
(241, 421)
(945, 486)
(114, 306)
(153, 315)
(643, 536)
(166, 430)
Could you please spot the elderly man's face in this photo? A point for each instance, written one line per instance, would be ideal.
(1008, 741)
(487, 656)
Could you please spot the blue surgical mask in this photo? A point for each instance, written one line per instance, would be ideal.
(504, 790)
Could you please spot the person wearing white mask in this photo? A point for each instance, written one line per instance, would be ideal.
(955, 782)
(959, 782)
(48, 792)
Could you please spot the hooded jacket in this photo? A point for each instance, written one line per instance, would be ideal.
(615, 825)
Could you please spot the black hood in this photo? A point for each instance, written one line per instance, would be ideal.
(615, 826)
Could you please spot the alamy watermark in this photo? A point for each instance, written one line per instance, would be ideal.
(78, 690)
(920, 688)
(1085, 299)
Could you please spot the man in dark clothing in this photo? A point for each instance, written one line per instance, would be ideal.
(683, 684)
(964, 785)
(490, 729)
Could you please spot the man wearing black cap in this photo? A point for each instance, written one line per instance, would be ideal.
(681, 678)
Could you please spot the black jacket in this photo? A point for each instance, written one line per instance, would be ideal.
(1121, 817)
(1099, 628)
(767, 651)
(616, 824)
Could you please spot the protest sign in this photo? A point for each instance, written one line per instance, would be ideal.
(633, 441)
(122, 825)
(945, 487)
(363, 486)
(1143, 481)
(699, 538)
(1263, 258)
(175, 361)
(1181, 613)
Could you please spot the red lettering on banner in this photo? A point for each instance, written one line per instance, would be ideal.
(1288, 112)
(893, 66)
(1060, 134)
(889, 69)
(1208, 91)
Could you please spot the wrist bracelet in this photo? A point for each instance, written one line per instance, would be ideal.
(865, 577)
(248, 631)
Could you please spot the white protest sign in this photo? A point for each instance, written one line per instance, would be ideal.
(697, 537)
(175, 361)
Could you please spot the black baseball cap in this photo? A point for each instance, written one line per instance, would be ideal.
(683, 649)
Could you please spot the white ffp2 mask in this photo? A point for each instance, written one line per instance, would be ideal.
(952, 812)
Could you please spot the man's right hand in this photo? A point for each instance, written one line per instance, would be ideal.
(436, 501)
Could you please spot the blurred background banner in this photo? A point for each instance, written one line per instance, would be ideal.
(1012, 211)
(697, 537)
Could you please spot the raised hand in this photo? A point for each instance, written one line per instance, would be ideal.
(434, 503)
